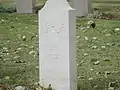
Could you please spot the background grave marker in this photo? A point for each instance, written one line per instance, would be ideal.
(83, 7)
(25, 6)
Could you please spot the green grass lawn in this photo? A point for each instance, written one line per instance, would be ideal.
(18, 57)
(98, 56)
(98, 50)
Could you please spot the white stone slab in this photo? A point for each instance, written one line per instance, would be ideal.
(25, 6)
(57, 45)
(83, 7)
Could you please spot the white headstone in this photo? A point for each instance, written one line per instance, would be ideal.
(25, 6)
(57, 45)
(83, 7)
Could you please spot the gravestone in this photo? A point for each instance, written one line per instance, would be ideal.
(89, 6)
(57, 45)
(83, 7)
(25, 6)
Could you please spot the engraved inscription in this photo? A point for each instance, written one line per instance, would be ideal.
(52, 28)
(53, 53)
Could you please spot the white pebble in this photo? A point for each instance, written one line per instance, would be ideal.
(77, 41)
(90, 79)
(96, 63)
(91, 69)
(88, 27)
(2, 20)
(26, 27)
(94, 47)
(82, 28)
(5, 48)
(103, 47)
(7, 53)
(19, 88)
(7, 77)
(78, 36)
(111, 88)
(107, 35)
(24, 37)
(89, 22)
(19, 49)
(94, 38)
(108, 44)
(32, 52)
(117, 29)
(16, 57)
(86, 38)
(77, 64)
(85, 54)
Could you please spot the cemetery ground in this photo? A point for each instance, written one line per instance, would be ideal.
(98, 49)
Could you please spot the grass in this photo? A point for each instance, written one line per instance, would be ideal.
(86, 68)
(19, 59)
(12, 29)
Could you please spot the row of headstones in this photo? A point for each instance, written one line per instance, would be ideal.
(83, 7)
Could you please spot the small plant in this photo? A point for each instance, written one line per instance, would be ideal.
(37, 8)
(7, 10)
(2, 8)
